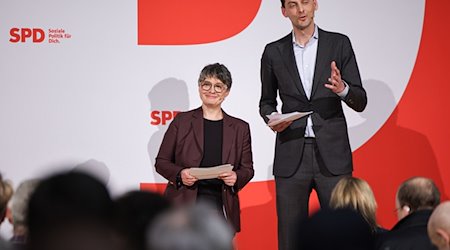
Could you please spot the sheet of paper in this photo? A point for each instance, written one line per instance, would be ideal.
(278, 118)
(211, 172)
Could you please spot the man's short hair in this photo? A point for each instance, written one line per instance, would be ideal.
(418, 193)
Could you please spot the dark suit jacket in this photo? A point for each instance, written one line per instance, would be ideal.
(409, 233)
(182, 147)
(279, 73)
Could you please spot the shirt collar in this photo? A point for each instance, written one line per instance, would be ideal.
(315, 35)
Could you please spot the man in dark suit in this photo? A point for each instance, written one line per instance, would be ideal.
(312, 70)
(415, 201)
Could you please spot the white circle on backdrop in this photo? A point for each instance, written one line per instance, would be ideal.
(385, 36)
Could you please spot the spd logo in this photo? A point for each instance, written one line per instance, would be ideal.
(36, 35)
(162, 117)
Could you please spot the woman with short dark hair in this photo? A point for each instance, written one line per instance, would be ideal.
(206, 137)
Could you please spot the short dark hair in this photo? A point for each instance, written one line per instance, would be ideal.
(218, 71)
(68, 196)
(69, 208)
(418, 193)
(135, 211)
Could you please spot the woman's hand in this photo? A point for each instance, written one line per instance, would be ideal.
(229, 178)
(187, 178)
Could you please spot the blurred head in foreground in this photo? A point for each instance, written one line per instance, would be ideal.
(355, 193)
(190, 228)
(342, 228)
(439, 226)
(415, 194)
(71, 211)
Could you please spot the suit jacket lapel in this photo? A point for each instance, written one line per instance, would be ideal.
(287, 54)
(228, 138)
(197, 127)
(322, 61)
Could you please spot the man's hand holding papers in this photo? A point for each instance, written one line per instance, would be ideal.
(279, 122)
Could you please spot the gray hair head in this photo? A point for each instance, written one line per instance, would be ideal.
(190, 228)
(19, 200)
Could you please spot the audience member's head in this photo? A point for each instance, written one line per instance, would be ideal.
(417, 193)
(439, 226)
(190, 228)
(338, 229)
(134, 213)
(355, 193)
(70, 211)
(6, 191)
(19, 208)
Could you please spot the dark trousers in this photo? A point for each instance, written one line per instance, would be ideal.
(292, 195)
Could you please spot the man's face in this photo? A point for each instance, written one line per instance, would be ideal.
(300, 12)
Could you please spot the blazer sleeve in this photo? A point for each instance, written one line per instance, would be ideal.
(356, 97)
(269, 86)
(165, 160)
(245, 170)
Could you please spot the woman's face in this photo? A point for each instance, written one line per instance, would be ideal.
(212, 92)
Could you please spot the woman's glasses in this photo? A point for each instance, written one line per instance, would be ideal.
(218, 88)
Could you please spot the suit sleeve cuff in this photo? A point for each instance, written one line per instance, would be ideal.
(344, 92)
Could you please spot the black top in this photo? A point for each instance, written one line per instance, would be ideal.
(212, 145)
(211, 189)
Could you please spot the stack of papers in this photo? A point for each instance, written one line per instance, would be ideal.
(210, 172)
(279, 118)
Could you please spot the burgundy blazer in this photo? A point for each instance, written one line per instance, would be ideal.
(182, 147)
